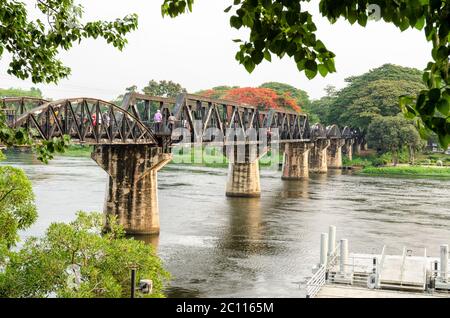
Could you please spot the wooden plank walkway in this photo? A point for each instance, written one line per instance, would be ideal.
(336, 291)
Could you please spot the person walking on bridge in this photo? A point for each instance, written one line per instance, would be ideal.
(158, 120)
(171, 122)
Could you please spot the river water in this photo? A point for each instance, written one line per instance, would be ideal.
(235, 247)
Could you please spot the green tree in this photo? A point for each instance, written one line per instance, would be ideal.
(34, 45)
(411, 139)
(17, 92)
(163, 88)
(75, 260)
(217, 92)
(367, 96)
(284, 28)
(17, 208)
(131, 89)
(319, 110)
(391, 134)
(282, 89)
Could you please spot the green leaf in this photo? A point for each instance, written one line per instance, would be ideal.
(249, 65)
(420, 100)
(444, 140)
(311, 65)
(362, 19)
(228, 9)
(322, 70)
(301, 65)
(235, 22)
(434, 94)
(329, 63)
(404, 24)
(442, 53)
(267, 56)
(443, 106)
(310, 74)
(352, 16)
(420, 23)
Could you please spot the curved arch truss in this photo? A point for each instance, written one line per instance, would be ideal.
(318, 131)
(333, 132)
(86, 121)
(14, 107)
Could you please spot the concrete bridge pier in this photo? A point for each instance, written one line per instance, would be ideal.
(334, 153)
(318, 156)
(347, 149)
(243, 171)
(243, 180)
(132, 193)
(296, 160)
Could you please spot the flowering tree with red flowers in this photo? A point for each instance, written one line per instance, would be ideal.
(263, 98)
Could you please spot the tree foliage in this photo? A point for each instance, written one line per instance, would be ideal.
(367, 96)
(393, 133)
(17, 92)
(264, 98)
(163, 88)
(216, 92)
(301, 97)
(283, 28)
(34, 44)
(17, 208)
(75, 260)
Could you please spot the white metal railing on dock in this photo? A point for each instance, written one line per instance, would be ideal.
(315, 283)
(380, 266)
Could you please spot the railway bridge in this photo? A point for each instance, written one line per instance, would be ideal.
(132, 148)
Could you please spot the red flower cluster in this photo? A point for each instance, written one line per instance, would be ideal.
(263, 98)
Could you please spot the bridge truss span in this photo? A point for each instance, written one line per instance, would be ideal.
(87, 121)
(197, 114)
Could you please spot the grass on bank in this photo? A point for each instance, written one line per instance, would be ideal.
(77, 151)
(379, 165)
(408, 171)
(371, 158)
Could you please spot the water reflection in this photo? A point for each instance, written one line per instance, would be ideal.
(293, 189)
(245, 230)
(335, 172)
(151, 239)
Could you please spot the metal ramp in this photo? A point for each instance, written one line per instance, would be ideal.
(405, 272)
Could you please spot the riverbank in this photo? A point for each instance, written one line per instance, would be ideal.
(417, 171)
(78, 151)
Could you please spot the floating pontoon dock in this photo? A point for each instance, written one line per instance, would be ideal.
(340, 274)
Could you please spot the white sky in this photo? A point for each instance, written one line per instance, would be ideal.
(197, 51)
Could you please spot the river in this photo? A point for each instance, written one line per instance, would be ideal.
(216, 246)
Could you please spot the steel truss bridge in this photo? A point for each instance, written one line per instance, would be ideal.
(93, 121)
